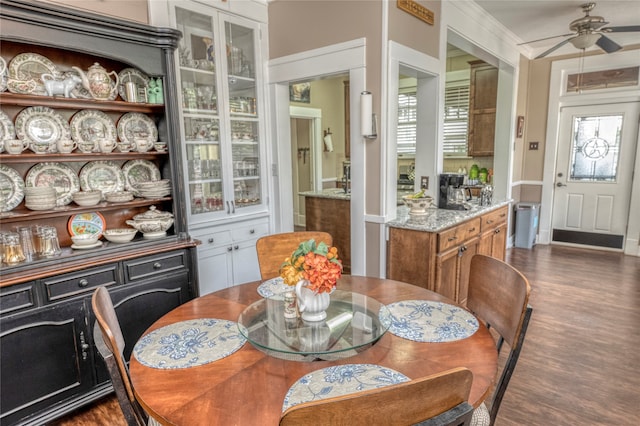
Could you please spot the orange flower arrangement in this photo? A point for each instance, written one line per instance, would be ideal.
(317, 263)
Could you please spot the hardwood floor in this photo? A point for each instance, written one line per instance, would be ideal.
(580, 363)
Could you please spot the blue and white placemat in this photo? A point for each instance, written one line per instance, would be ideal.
(274, 288)
(189, 343)
(428, 321)
(340, 380)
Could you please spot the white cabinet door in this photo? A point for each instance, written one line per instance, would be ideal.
(215, 269)
(245, 257)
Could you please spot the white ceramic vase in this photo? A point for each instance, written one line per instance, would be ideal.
(311, 305)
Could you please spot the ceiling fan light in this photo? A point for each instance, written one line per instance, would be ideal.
(584, 41)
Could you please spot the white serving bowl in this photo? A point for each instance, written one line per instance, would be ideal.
(85, 239)
(87, 198)
(120, 235)
(417, 205)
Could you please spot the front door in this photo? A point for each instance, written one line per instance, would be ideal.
(594, 173)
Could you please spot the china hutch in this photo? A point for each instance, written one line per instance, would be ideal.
(222, 115)
(49, 364)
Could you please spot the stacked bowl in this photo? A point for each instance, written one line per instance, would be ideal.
(87, 198)
(40, 198)
(153, 189)
(118, 196)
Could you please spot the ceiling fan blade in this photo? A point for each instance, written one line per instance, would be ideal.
(608, 45)
(625, 29)
(546, 38)
(557, 46)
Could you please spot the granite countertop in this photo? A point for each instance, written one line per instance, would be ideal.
(335, 193)
(437, 220)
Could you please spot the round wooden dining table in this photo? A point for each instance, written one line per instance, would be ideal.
(248, 387)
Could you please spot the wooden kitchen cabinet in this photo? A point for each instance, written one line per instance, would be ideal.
(440, 260)
(493, 233)
(483, 91)
(331, 215)
(456, 247)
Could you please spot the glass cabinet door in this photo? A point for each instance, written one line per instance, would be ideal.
(221, 125)
(200, 112)
(243, 114)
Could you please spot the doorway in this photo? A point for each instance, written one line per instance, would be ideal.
(594, 174)
(306, 158)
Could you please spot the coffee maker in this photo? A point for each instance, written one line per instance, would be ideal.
(451, 192)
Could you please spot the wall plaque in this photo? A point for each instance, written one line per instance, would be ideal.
(417, 10)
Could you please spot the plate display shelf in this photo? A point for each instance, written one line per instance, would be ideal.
(116, 213)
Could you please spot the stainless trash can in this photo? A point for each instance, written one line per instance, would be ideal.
(527, 217)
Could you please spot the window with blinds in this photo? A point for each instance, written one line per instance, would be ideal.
(456, 118)
(407, 113)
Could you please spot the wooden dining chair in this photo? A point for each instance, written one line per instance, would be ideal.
(274, 249)
(440, 399)
(499, 297)
(109, 341)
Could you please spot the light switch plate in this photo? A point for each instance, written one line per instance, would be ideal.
(424, 182)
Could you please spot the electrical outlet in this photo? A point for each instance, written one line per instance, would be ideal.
(424, 182)
(533, 146)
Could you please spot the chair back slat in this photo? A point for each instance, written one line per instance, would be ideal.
(402, 404)
(273, 249)
(498, 295)
(112, 340)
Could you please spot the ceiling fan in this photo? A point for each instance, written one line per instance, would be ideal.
(587, 31)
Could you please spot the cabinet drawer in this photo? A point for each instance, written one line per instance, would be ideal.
(254, 231)
(151, 266)
(212, 240)
(458, 234)
(74, 283)
(18, 297)
(494, 219)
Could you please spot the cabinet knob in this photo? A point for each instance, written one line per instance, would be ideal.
(489, 222)
(497, 231)
(235, 247)
(210, 240)
(157, 265)
(452, 239)
(472, 229)
(83, 282)
(252, 231)
(229, 248)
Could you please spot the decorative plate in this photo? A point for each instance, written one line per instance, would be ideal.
(134, 125)
(41, 125)
(86, 223)
(86, 246)
(7, 131)
(11, 188)
(428, 321)
(90, 125)
(105, 176)
(136, 171)
(274, 288)
(3, 74)
(340, 380)
(189, 343)
(25, 73)
(131, 75)
(57, 175)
